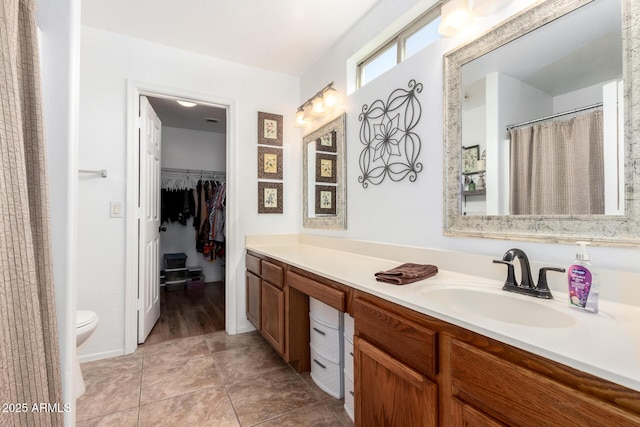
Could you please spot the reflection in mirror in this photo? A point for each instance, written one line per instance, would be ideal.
(545, 113)
(490, 99)
(324, 173)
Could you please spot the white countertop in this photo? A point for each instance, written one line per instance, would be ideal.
(606, 344)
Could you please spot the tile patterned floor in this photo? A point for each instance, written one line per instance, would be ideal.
(209, 380)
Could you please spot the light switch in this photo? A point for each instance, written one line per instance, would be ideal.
(116, 210)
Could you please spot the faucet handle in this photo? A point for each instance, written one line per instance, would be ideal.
(542, 279)
(511, 275)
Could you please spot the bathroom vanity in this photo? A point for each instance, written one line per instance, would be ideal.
(420, 363)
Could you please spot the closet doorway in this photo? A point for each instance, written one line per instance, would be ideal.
(191, 253)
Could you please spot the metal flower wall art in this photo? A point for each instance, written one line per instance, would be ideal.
(391, 147)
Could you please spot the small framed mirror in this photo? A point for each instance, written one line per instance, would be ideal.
(324, 173)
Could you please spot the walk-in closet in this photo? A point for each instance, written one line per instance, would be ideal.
(193, 218)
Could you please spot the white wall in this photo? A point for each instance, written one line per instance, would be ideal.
(412, 213)
(197, 150)
(60, 36)
(193, 149)
(107, 62)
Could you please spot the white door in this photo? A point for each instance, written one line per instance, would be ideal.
(149, 220)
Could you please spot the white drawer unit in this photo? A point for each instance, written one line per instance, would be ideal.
(326, 344)
(348, 357)
(348, 396)
(348, 326)
(327, 374)
(325, 339)
(325, 313)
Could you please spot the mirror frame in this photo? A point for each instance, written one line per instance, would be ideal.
(620, 230)
(339, 221)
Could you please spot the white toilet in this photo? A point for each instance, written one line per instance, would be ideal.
(86, 322)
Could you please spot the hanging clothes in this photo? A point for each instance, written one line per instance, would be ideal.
(211, 239)
(182, 198)
(176, 206)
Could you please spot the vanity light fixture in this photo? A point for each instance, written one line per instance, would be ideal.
(488, 7)
(455, 15)
(320, 104)
(187, 104)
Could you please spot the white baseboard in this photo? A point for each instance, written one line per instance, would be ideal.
(99, 356)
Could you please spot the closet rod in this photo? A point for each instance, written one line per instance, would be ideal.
(552, 116)
(193, 171)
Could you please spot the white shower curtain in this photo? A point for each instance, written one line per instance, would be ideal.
(29, 353)
(557, 168)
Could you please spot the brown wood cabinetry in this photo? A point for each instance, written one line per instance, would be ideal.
(515, 395)
(388, 392)
(479, 381)
(273, 316)
(254, 300)
(415, 370)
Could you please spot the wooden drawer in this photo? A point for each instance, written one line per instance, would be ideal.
(324, 293)
(273, 274)
(253, 264)
(518, 396)
(407, 341)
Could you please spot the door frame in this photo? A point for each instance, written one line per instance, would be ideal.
(134, 90)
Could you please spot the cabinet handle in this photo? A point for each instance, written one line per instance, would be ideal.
(320, 364)
(319, 331)
(351, 393)
(351, 353)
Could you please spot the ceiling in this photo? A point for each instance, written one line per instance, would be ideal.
(286, 36)
(174, 115)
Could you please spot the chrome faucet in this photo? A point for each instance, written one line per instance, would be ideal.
(526, 287)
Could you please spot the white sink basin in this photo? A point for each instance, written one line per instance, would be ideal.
(496, 304)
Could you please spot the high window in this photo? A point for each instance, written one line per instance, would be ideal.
(417, 35)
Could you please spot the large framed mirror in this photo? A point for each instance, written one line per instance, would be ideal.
(542, 126)
(324, 177)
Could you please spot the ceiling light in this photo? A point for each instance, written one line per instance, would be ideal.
(186, 103)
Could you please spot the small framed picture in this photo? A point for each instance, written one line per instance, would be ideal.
(269, 197)
(470, 156)
(269, 129)
(269, 163)
(327, 142)
(326, 168)
(325, 200)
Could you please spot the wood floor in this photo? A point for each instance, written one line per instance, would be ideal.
(189, 312)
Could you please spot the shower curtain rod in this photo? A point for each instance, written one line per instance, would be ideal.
(552, 116)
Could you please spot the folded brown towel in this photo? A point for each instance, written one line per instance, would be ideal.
(407, 273)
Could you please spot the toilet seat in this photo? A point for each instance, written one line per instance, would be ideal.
(85, 317)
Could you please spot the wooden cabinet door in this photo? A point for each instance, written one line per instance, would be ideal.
(254, 300)
(389, 393)
(467, 416)
(273, 316)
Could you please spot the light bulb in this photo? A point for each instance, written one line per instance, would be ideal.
(300, 121)
(457, 18)
(330, 98)
(318, 106)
